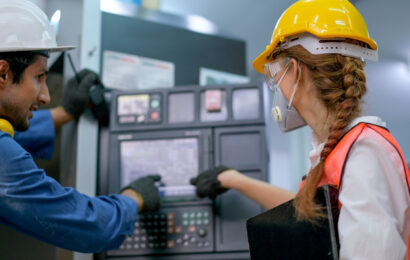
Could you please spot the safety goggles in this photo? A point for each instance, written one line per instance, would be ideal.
(271, 71)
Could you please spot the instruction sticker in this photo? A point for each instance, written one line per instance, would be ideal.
(130, 72)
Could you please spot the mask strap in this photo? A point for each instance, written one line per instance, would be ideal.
(294, 88)
(283, 75)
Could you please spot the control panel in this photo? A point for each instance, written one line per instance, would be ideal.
(177, 133)
(139, 109)
(171, 230)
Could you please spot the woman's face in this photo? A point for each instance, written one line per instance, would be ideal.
(283, 110)
(274, 71)
(294, 80)
(283, 73)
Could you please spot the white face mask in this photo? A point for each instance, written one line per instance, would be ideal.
(283, 112)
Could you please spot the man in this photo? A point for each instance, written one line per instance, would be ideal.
(30, 201)
(39, 139)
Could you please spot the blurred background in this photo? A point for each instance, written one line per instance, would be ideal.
(247, 21)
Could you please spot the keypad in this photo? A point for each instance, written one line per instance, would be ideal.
(193, 218)
(168, 231)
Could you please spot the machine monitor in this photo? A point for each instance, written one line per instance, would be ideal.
(178, 133)
(176, 160)
(139, 109)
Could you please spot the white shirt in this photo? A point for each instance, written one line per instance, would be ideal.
(374, 221)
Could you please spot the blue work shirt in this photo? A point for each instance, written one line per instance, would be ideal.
(39, 206)
(39, 139)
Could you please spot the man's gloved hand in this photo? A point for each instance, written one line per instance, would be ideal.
(145, 187)
(207, 183)
(75, 94)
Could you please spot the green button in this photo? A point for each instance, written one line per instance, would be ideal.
(154, 103)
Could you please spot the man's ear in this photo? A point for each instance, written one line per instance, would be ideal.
(4, 72)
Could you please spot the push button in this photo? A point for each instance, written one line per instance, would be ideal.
(202, 232)
(213, 102)
(155, 103)
(170, 244)
(178, 229)
(191, 229)
(155, 116)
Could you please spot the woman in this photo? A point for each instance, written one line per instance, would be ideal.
(315, 66)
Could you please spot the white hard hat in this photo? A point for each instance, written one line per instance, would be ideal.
(25, 27)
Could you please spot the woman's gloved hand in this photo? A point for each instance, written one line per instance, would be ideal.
(75, 93)
(147, 191)
(207, 183)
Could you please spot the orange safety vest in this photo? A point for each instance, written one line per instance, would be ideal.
(334, 163)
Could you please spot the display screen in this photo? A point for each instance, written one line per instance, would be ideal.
(176, 160)
(245, 104)
(133, 105)
(181, 108)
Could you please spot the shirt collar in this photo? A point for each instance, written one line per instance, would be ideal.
(314, 154)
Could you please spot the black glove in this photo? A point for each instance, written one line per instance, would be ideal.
(207, 183)
(75, 94)
(145, 186)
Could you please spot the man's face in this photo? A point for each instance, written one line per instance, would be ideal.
(17, 101)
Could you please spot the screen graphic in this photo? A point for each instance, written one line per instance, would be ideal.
(176, 160)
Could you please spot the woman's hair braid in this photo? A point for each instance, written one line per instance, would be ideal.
(341, 84)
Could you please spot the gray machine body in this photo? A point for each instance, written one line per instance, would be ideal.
(178, 148)
(175, 124)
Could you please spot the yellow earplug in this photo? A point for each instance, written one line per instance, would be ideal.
(6, 127)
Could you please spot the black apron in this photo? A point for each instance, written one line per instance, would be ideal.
(276, 234)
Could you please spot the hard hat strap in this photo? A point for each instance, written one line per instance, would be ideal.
(45, 53)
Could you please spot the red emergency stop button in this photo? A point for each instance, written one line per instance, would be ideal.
(155, 116)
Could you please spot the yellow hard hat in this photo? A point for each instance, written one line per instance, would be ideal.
(320, 18)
